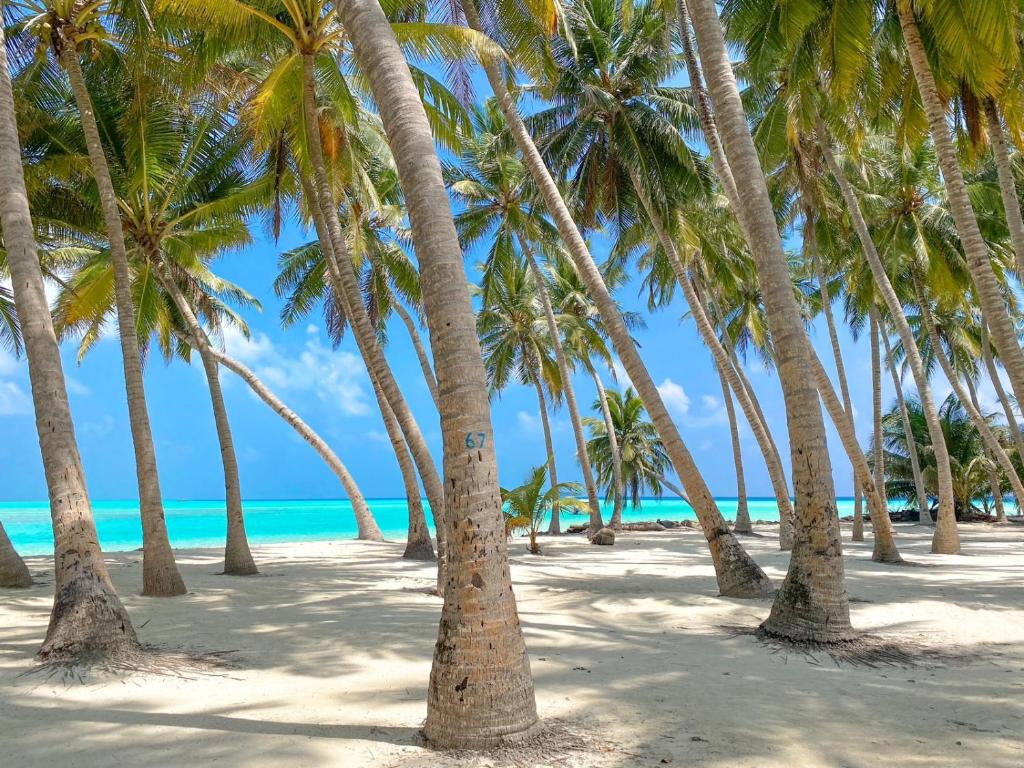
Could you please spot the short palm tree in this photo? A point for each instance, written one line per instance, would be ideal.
(527, 506)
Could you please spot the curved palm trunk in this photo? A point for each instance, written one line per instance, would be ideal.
(417, 344)
(88, 619)
(596, 523)
(613, 444)
(736, 572)
(908, 433)
(1007, 185)
(481, 687)
(997, 384)
(812, 603)
(13, 571)
(988, 293)
(549, 449)
(366, 525)
(876, 407)
(742, 524)
(993, 475)
(160, 576)
(946, 539)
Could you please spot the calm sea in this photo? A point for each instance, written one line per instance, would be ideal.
(202, 523)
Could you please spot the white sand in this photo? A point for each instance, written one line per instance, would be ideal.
(333, 646)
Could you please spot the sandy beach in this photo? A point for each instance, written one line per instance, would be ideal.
(635, 658)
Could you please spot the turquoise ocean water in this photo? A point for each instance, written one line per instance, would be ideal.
(202, 523)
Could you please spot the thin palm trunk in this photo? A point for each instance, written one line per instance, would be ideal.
(594, 504)
(736, 572)
(742, 524)
(876, 406)
(1007, 184)
(555, 526)
(417, 344)
(13, 571)
(1011, 418)
(946, 539)
(993, 475)
(812, 603)
(237, 555)
(481, 687)
(908, 434)
(88, 619)
(366, 525)
(989, 296)
(613, 445)
(160, 575)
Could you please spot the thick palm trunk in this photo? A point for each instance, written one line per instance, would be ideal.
(876, 408)
(88, 619)
(993, 475)
(237, 556)
(613, 445)
(555, 526)
(736, 572)
(160, 576)
(594, 504)
(946, 539)
(13, 571)
(481, 687)
(349, 295)
(417, 344)
(812, 603)
(987, 290)
(908, 433)
(366, 525)
(997, 384)
(1007, 184)
(742, 524)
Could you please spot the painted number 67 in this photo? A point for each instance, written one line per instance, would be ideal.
(475, 439)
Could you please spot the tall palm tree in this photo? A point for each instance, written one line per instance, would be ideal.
(87, 619)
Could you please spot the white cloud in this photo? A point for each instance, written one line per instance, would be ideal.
(675, 397)
(378, 437)
(528, 422)
(13, 400)
(710, 403)
(312, 330)
(75, 387)
(333, 376)
(622, 379)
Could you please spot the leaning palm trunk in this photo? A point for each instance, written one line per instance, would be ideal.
(366, 525)
(13, 571)
(160, 576)
(613, 445)
(742, 524)
(555, 527)
(876, 405)
(88, 619)
(736, 572)
(1007, 184)
(997, 384)
(987, 289)
(908, 434)
(812, 603)
(725, 367)
(993, 475)
(594, 505)
(481, 687)
(346, 285)
(417, 345)
(946, 539)
(237, 555)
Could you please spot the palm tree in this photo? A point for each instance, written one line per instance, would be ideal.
(87, 619)
(72, 27)
(527, 505)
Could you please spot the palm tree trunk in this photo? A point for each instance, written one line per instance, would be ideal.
(237, 555)
(613, 443)
(88, 619)
(736, 572)
(876, 406)
(366, 525)
(417, 343)
(993, 475)
(556, 524)
(596, 523)
(725, 368)
(742, 524)
(1007, 184)
(997, 384)
(946, 539)
(988, 438)
(481, 688)
(13, 571)
(812, 603)
(989, 296)
(160, 576)
(332, 240)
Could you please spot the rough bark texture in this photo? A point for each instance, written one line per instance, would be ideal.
(549, 450)
(908, 434)
(876, 408)
(1007, 185)
(1011, 418)
(742, 524)
(993, 475)
(88, 619)
(987, 290)
(366, 525)
(812, 603)
(737, 573)
(13, 571)
(946, 539)
(481, 688)
(417, 344)
(613, 442)
(593, 503)
(160, 576)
